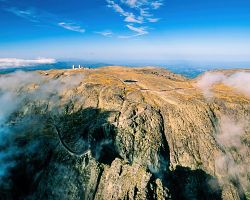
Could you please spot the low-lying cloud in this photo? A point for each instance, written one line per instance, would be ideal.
(233, 163)
(239, 81)
(20, 92)
(15, 62)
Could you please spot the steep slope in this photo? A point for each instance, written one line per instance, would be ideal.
(124, 133)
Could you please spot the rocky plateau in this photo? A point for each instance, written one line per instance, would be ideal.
(124, 133)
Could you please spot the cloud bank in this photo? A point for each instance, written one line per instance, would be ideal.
(232, 163)
(15, 62)
(239, 81)
(20, 92)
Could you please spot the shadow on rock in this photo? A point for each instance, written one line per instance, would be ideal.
(86, 130)
(35, 142)
(187, 184)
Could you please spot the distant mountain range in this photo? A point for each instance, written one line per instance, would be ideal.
(188, 70)
(57, 65)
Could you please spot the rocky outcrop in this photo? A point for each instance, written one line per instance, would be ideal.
(104, 137)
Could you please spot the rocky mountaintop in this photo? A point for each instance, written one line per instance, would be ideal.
(124, 133)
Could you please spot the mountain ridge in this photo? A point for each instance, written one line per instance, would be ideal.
(141, 133)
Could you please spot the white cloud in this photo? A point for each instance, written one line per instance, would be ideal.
(29, 14)
(134, 3)
(153, 20)
(15, 62)
(145, 12)
(230, 132)
(143, 3)
(117, 8)
(105, 33)
(131, 3)
(156, 4)
(239, 81)
(39, 16)
(208, 80)
(71, 27)
(231, 163)
(131, 18)
(138, 30)
(13, 97)
(229, 137)
(139, 12)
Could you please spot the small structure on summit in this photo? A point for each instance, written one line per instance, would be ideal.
(79, 67)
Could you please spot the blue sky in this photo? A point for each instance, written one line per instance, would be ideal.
(126, 30)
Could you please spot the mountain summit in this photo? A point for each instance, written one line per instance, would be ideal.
(124, 133)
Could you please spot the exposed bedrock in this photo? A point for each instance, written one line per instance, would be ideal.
(153, 137)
